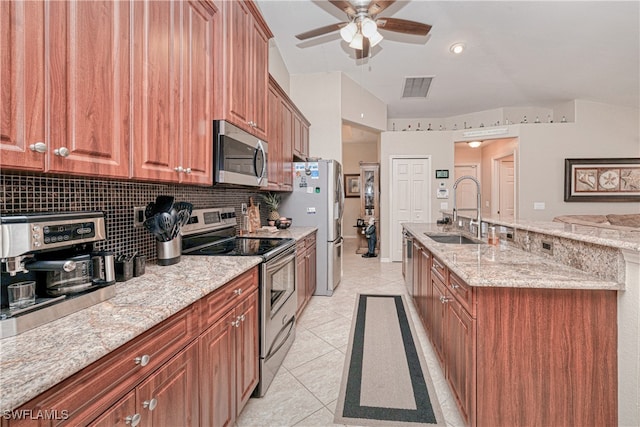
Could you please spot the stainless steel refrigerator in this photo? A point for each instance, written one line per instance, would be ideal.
(317, 200)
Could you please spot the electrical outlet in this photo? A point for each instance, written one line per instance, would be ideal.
(138, 216)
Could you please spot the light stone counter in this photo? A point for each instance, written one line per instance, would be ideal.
(505, 265)
(36, 360)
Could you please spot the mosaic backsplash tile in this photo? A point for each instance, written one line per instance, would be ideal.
(23, 192)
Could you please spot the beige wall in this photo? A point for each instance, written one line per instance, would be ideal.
(600, 130)
(352, 155)
(361, 107)
(277, 67)
(437, 145)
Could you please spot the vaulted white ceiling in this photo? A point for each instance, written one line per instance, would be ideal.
(518, 53)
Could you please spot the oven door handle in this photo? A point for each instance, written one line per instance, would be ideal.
(276, 264)
(288, 328)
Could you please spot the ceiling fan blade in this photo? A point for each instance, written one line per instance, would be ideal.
(365, 49)
(377, 6)
(403, 26)
(320, 31)
(344, 6)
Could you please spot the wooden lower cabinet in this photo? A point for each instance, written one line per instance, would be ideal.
(198, 367)
(305, 271)
(522, 356)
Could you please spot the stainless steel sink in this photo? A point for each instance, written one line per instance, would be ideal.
(453, 238)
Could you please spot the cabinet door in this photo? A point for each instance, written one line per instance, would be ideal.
(22, 84)
(259, 77)
(297, 135)
(305, 140)
(459, 354)
(121, 414)
(274, 139)
(301, 279)
(417, 270)
(425, 285)
(198, 21)
(217, 364)
(238, 69)
(311, 269)
(88, 60)
(156, 90)
(438, 317)
(247, 350)
(169, 396)
(287, 145)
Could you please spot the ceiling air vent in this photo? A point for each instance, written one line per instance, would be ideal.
(416, 87)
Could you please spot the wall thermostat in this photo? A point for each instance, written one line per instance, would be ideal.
(442, 173)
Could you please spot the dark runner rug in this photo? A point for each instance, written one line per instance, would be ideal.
(385, 380)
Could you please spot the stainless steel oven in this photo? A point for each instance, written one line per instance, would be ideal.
(211, 232)
(239, 157)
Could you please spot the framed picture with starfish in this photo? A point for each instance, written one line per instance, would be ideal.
(602, 180)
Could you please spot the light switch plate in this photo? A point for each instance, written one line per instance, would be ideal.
(444, 205)
(539, 206)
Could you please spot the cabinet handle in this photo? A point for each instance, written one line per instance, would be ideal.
(178, 169)
(444, 299)
(150, 404)
(241, 318)
(454, 285)
(238, 291)
(187, 170)
(62, 152)
(142, 360)
(38, 147)
(235, 323)
(134, 420)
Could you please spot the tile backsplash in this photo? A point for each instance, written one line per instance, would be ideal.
(22, 192)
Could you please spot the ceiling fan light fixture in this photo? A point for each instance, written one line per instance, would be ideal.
(474, 144)
(457, 48)
(348, 32)
(375, 39)
(368, 27)
(357, 41)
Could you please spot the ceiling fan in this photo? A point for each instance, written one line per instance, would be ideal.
(361, 32)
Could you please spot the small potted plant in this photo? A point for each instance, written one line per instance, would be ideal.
(272, 201)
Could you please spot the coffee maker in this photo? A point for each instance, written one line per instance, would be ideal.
(56, 251)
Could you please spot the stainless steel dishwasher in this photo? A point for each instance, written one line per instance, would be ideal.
(407, 260)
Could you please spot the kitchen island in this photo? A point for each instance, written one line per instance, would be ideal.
(523, 338)
(38, 359)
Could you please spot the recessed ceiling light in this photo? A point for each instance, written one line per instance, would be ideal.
(457, 48)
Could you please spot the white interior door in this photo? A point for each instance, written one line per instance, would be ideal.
(466, 197)
(410, 197)
(507, 186)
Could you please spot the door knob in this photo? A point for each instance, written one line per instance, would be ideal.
(62, 152)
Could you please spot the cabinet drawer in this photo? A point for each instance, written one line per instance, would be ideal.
(94, 389)
(219, 301)
(463, 293)
(438, 268)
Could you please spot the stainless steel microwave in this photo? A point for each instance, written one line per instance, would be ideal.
(239, 157)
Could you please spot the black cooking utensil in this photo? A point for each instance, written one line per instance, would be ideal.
(164, 203)
(150, 210)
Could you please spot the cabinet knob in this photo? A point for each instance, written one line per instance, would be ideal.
(142, 360)
(454, 286)
(238, 291)
(150, 404)
(444, 299)
(187, 170)
(241, 318)
(235, 323)
(38, 147)
(134, 420)
(62, 152)
(178, 169)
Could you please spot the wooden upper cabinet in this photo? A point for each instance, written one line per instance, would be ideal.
(172, 88)
(83, 124)
(243, 86)
(273, 136)
(88, 61)
(22, 85)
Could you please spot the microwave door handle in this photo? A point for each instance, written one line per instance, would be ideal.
(259, 148)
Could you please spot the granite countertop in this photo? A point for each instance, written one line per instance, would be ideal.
(36, 360)
(485, 265)
(296, 233)
(591, 234)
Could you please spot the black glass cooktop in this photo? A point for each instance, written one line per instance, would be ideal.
(241, 246)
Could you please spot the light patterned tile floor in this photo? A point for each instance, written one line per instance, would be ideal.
(305, 390)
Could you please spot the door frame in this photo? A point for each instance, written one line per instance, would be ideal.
(495, 182)
(389, 224)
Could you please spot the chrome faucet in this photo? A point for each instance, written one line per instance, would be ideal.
(478, 221)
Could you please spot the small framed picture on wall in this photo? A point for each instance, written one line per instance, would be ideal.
(352, 185)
